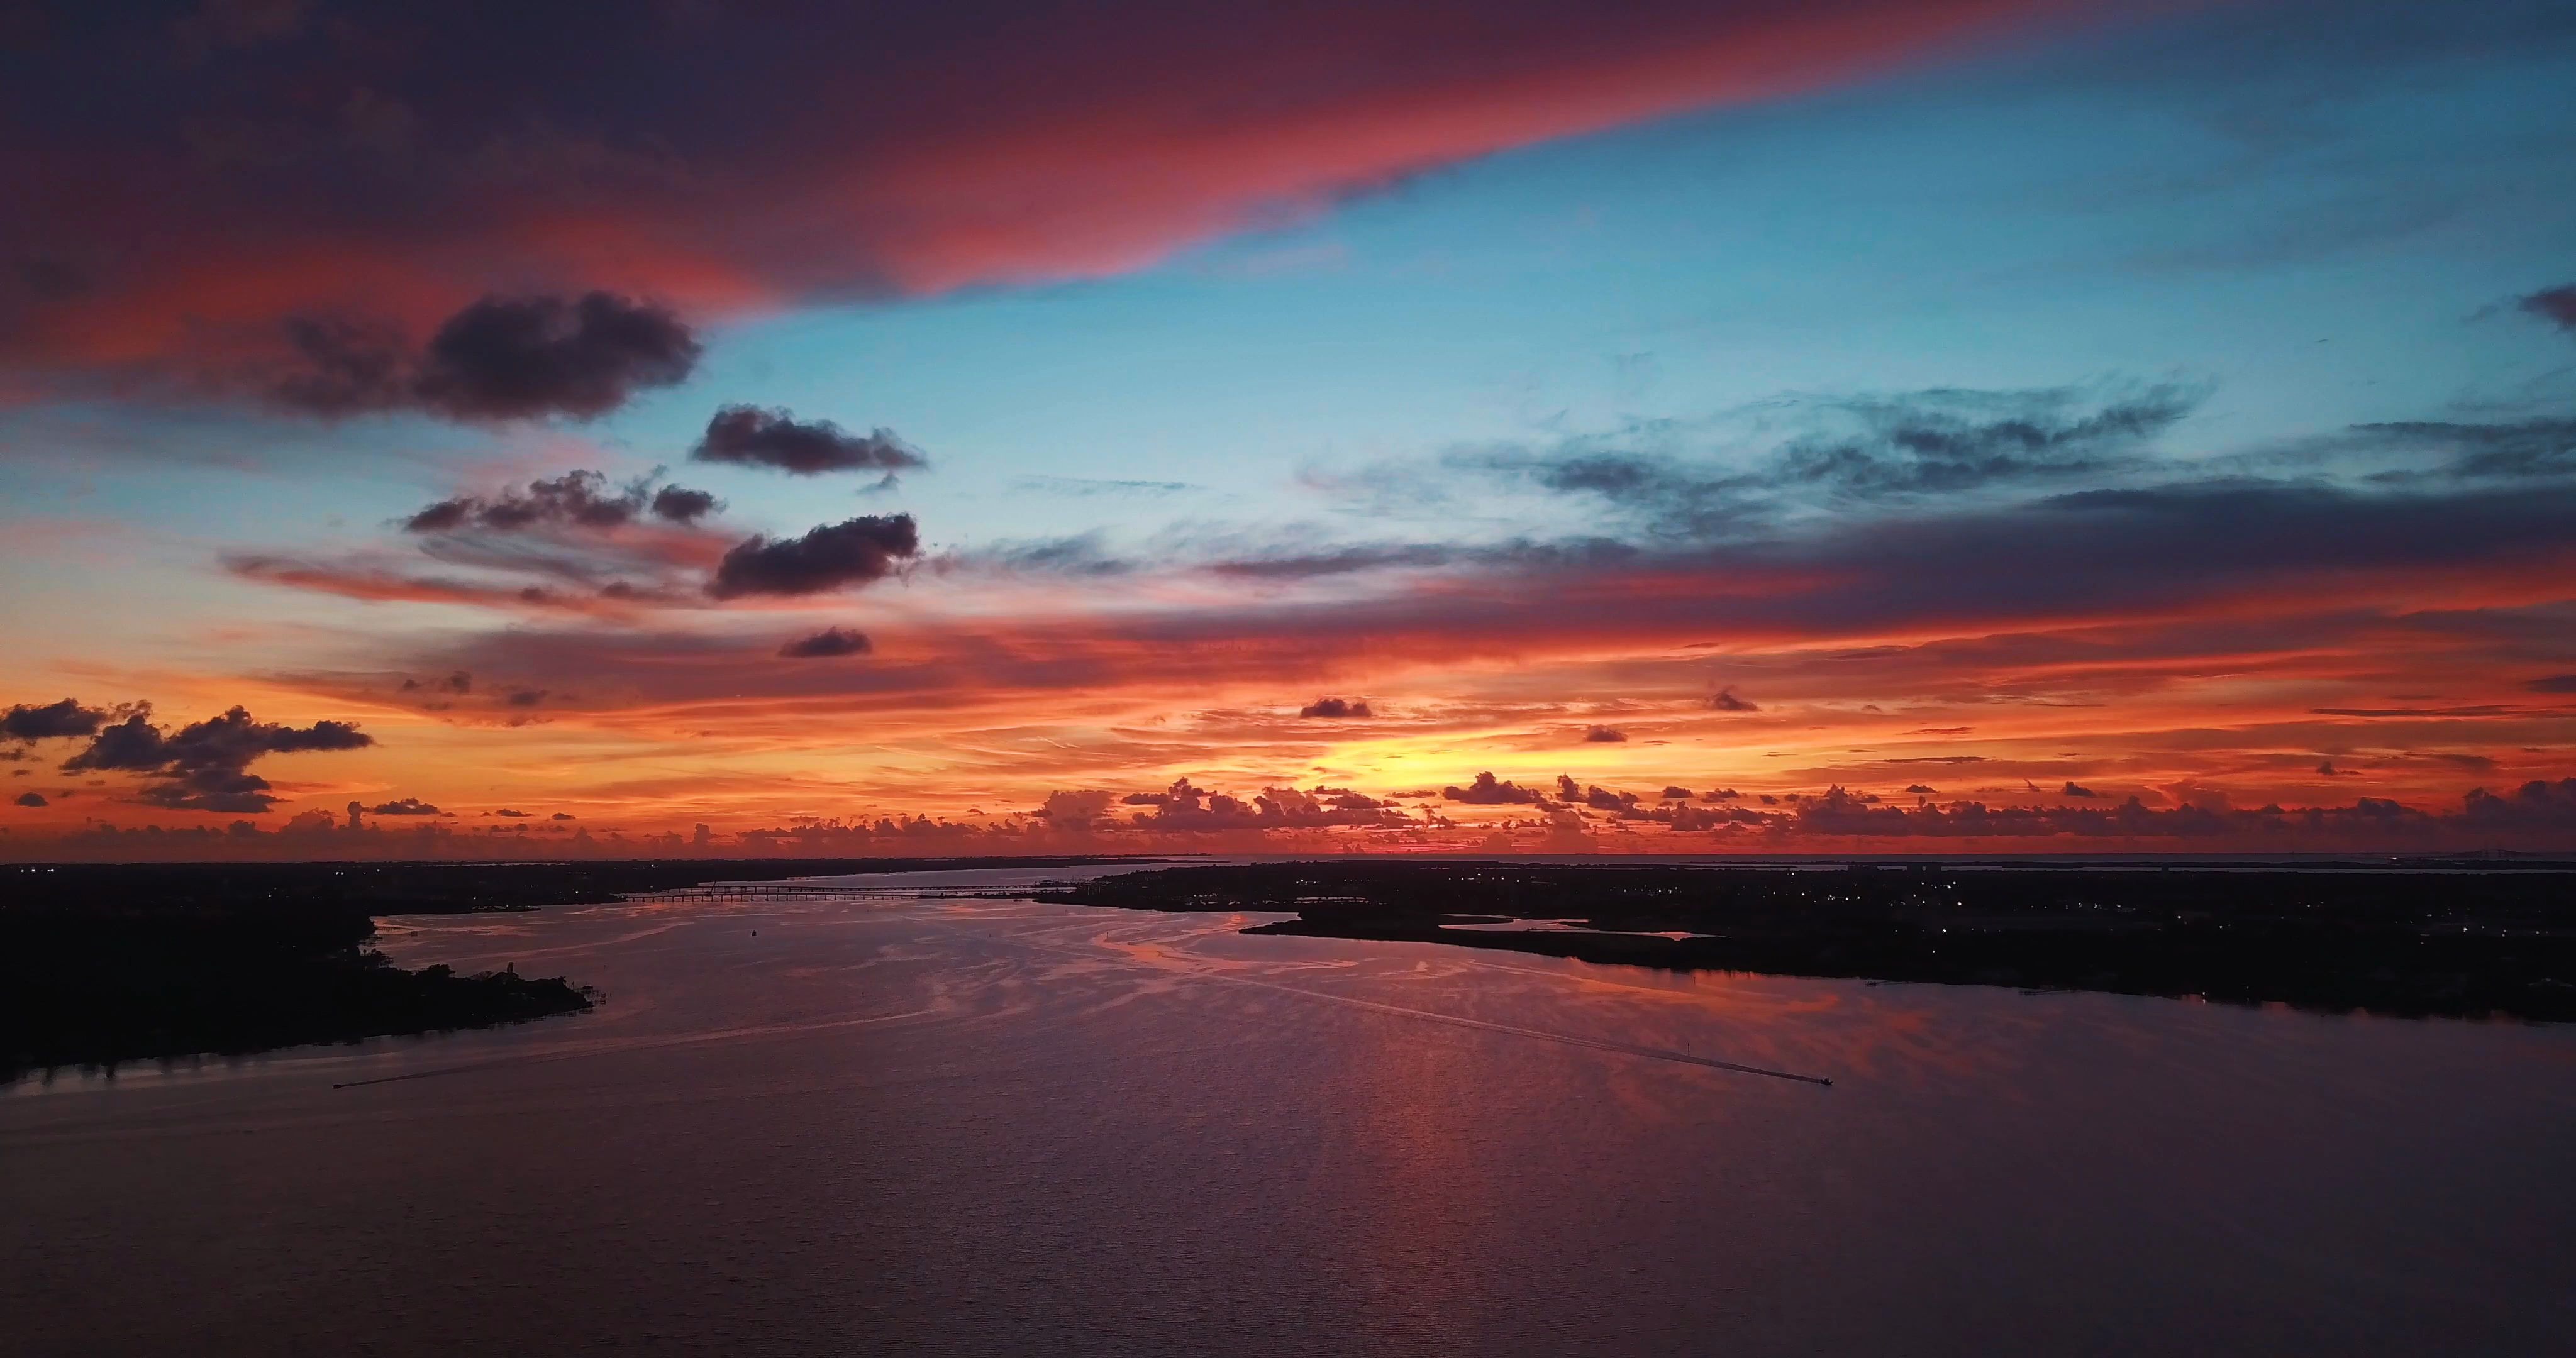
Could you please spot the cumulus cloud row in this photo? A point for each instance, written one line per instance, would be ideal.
(575, 499)
(202, 766)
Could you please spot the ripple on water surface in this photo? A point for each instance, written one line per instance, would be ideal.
(885, 1121)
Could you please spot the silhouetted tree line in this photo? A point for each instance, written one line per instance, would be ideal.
(102, 964)
(2397, 940)
(82, 987)
(416, 888)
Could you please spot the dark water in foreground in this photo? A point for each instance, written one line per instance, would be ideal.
(987, 1127)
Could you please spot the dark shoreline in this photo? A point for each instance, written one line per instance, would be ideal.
(103, 965)
(423, 888)
(98, 991)
(2411, 943)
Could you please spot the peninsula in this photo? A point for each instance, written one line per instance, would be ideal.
(106, 964)
(2422, 939)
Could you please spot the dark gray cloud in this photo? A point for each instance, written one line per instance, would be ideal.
(2067, 555)
(2464, 710)
(854, 552)
(1669, 496)
(1943, 441)
(511, 358)
(575, 541)
(444, 516)
(2534, 448)
(1485, 791)
(1185, 807)
(1597, 797)
(2535, 805)
(576, 499)
(749, 436)
(830, 642)
(1342, 561)
(679, 504)
(342, 367)
(458, 682)
(2022, 556)
(28, 721)
(404, 806)
(205, 766)
(2074, 789)
(1839, 812)
(1081, 554)
(1678, 794)
(1691, 818)
(1727, 701)
(1568, 556)
(1952, 440)
(1603, 735)
(31, 799)
(2542, 807)
(2554, 305)
(1087, 485)
(1335, 709)
(501, 358)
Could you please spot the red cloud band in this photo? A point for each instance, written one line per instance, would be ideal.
(378, 167)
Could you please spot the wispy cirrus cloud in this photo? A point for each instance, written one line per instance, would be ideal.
(1742, 471)
(369, 580)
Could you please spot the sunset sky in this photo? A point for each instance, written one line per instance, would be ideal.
(1910, 425)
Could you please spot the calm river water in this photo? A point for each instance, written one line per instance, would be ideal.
(895, 1124)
